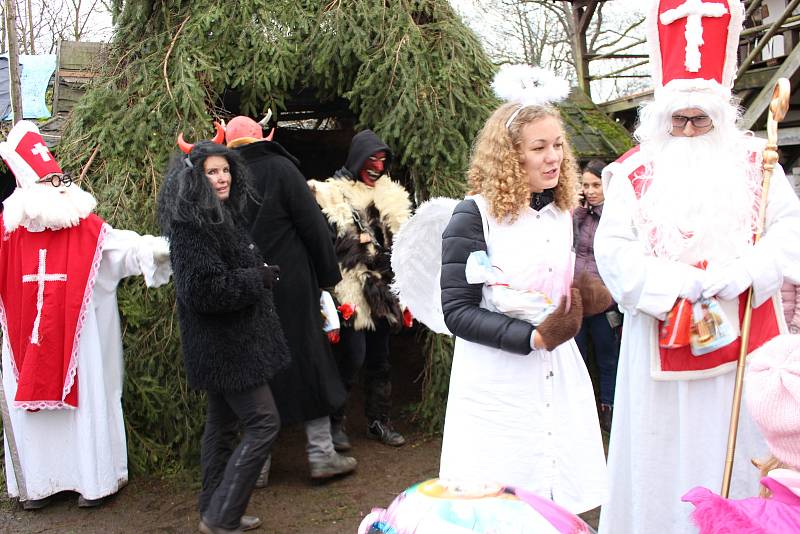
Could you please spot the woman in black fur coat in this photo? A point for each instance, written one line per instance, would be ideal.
(232, 338)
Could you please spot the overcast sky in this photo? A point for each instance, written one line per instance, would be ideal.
(486, 24)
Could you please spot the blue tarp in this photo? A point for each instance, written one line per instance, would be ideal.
(36, 73)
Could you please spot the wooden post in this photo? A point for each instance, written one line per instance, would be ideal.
(13, 60)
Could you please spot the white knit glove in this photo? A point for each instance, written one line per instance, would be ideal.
(693, 282)
(728, 282)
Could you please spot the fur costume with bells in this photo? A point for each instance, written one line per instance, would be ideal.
(366, 220)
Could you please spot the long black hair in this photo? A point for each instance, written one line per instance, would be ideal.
(187, 196)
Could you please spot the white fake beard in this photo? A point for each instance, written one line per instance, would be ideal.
(701, 203)
(41, 207)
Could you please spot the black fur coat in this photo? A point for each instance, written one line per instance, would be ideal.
(231, 335)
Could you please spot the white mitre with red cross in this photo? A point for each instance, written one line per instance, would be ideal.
(693, 44)
(27, 155)
(47, 278)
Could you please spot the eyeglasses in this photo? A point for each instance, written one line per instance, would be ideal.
(698, 121)
(56, 179)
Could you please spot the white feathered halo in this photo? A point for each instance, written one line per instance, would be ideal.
(529, 86)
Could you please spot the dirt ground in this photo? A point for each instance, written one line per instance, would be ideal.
(291, 503)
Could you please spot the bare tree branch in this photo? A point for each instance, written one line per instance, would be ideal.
(542, 32)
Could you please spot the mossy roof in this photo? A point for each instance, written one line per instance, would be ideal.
(592, 133)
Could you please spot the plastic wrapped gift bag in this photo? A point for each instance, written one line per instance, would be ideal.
(710, 329)
(439, 507)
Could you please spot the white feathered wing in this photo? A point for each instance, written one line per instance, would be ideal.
(417, 262)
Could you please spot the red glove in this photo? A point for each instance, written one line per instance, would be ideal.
(333, 336)
(408, 319)
(347, 311)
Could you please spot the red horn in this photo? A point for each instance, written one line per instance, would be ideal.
(183, 145)
(271, 134)
(220, 137)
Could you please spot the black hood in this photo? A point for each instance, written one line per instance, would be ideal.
(363, 145)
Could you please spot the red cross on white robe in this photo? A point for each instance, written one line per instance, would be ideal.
(693, 11)
(40, 278)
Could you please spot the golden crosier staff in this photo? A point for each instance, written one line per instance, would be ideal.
(778, 107)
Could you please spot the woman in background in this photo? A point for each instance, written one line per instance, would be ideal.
(599, 331)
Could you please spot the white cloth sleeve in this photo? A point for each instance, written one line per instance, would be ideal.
(638, 282)
(777, 254)
(126, 253)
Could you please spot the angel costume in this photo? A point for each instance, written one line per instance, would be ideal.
(514, 416)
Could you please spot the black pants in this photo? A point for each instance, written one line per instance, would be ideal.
(370, 349)
(597, 331)
(229, 474)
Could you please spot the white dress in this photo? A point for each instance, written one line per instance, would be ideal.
(526, 420)
(84, 449)
(670, 436)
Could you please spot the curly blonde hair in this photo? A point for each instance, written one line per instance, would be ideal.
(495, 171)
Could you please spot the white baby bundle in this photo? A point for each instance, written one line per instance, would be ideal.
(522, 303)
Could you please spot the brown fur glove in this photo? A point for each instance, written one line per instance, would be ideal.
(561, 325)
(594, 295)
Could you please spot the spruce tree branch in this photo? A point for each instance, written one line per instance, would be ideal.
(166, 62)
(88, 164)
(397, 58)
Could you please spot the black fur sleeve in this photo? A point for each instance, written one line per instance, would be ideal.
(461, 301)
(201, 278)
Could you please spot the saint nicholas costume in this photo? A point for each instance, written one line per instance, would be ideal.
(62, 343)
(672, 407)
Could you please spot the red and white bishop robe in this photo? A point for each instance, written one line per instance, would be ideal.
(46, 284)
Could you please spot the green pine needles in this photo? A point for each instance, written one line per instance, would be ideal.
(410, 70)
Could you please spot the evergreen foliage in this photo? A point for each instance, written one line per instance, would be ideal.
(410, 70)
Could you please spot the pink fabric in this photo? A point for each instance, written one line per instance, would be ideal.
(716, 515)
(791, 306)
(563, 521)
(772, 393)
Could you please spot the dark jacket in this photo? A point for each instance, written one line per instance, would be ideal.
(461, 301)
(231, 336)
(291, 232)
(586, 220)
